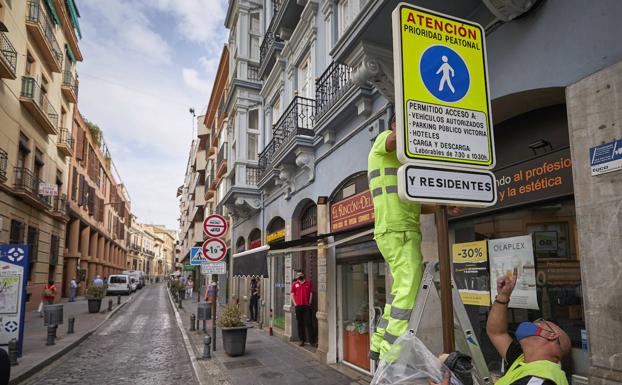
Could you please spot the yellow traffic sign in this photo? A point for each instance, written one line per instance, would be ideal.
(441, 89)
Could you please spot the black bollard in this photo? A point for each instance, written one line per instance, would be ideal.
(70, 325)
(118, 299)
(51, 335)
(13, 350)
(110, 304)
(204, 326)
(192, 321)
(207, 342)
(55, 330)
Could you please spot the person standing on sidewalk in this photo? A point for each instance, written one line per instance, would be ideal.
(98, 281)
(189, 288)
(254, 303)
(302, 295)
(73, 287)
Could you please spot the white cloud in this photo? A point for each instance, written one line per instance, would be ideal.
(192, 79)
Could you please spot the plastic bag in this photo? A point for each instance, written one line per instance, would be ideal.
(409, 361)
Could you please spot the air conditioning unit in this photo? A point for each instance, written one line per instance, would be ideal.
(507, 10)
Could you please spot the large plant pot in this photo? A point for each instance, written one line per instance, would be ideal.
(234, 340)
(94, 305)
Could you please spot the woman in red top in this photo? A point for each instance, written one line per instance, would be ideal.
(49, 293)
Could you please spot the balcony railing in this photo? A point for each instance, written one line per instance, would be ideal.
(331, 86)
(59, 204)
(222, 154)
(270, 41)
(298, 119)
(265, 159)
(32, 91)
(26, 181)
(4, 160)
(253, 72)
(37, 15)
(8, 54)
(71, 83)
(65, 141)
(252, 175)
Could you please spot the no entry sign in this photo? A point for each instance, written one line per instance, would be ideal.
(215, 225)
(214, 249)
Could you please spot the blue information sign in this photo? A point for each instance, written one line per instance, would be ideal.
(13, 278)
(606, 157)
(444, 73)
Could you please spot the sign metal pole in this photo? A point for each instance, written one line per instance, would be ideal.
(447, 311)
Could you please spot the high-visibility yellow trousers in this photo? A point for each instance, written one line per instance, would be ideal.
(402, 252)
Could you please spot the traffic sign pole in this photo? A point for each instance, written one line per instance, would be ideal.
(447, 310)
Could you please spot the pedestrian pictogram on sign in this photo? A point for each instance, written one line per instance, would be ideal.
(215, 225)
(441, 90)
(214, 249)
(196, 256)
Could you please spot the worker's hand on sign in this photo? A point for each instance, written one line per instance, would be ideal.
(506, 284)
(454, 210)
(444, 382)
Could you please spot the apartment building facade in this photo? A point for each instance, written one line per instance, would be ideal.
(327, 87)
(38, 55)
(165, 250)
(98, 207)
(141, 252)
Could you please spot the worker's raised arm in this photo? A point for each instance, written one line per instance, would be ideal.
(497, 324)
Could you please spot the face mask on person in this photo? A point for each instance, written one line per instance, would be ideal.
(530, 329)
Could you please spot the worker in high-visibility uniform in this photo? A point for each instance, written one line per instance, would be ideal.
(398, 236)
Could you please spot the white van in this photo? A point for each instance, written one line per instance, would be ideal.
(119, 284)
(138, 275)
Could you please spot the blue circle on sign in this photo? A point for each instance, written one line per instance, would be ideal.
(444, 73)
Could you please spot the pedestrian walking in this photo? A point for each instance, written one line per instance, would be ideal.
(189, 288)
(302, 295)
(210, 292)
(73, 287)
(254, 303)
(49, 293)
(98, 281)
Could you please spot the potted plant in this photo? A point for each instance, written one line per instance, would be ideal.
(94, 295)
(233, 331)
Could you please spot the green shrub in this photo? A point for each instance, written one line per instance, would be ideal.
(96, 292)
(231, 317)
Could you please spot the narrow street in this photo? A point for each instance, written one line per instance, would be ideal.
(141, 344)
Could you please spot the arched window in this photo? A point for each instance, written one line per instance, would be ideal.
(254, 239)
(240, 245)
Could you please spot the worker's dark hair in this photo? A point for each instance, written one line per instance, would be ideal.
(392, 118)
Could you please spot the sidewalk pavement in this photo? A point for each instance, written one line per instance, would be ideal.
(267, 360)
(36, 354)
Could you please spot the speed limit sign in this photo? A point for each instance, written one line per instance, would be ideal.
(214, 249)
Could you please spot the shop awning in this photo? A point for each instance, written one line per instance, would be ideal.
(251, 263)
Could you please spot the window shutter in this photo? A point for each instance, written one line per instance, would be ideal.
(100, 212)
(80, 144)
(74, 183)
(81, 191)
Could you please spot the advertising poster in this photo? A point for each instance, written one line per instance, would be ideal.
(471, 272)
(13, 269)
(507, 254)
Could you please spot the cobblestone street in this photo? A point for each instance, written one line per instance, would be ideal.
(140, 345)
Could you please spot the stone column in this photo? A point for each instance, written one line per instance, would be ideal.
(72, 254)
(594, 118)
(322, 282)
(93, 255)
(101, 261)
(107, 255)
(85, 237)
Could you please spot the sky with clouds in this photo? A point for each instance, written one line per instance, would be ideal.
(146, 62)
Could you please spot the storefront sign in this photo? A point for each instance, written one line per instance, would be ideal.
(446, 185)
(189, 268)
(441, 89)
(276, 235)
(48, 189)
(254, 244)
(13, 271)
(542, 178)
(471, 272)
(509, 255)
(606, 157)
(352, 212)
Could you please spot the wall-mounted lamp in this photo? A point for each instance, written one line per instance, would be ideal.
(538, 144)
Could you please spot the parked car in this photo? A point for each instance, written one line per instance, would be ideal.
(134, 284)
(138, 275)
(119, 284)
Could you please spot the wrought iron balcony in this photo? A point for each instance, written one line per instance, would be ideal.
(70, 86)
(26, 186)
(252, 72)
(39, 24)
(8, 58)
(4, 160)
(265, 159)
(269, 46)
(252, 175)
(331, 86)
(222, 155)
(298, 119)
(59, 205)
(35, 101)
(65, 142)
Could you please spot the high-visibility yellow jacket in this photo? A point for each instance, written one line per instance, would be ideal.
(543, 369)
(391, 213)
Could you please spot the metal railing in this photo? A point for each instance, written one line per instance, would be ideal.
(32, 90)
(269, 39)
(252, 72)
(211, 176)
(7, 51)
(37, 14)
(4, 160)
(59, 204)
(298, 119)
(64, 137)
(265, 159)
(70, 80)
(252, 175)
(331, 86)
(222, 154)
(26, 181)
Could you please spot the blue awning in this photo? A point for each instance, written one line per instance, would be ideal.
(52, 10)
(74, 14)
(72, 58)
